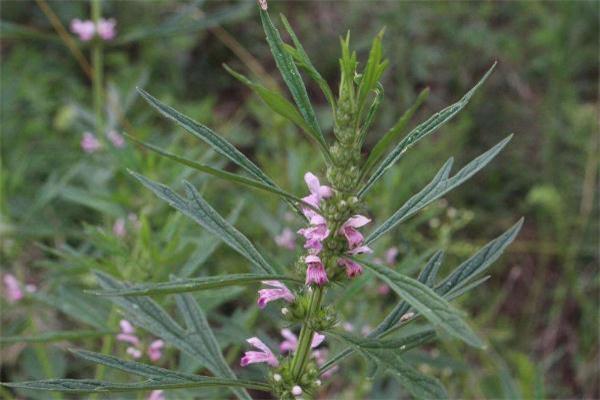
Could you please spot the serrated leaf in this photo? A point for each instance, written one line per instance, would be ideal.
(147, 314)
(439, 186)
(214, 140)
(49, 337)
(200, 211)
(293, 80)
(389, 358)
(433, 307)
(304, 62)
(479, 262)
(390, 136)
(194, 284)
(228, 176)
(422, 130)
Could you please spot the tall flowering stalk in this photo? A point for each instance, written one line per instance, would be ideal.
(335, 249)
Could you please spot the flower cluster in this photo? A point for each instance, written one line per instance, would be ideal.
(14, 291)
(90, 143)
(128, 335)
(87, 29)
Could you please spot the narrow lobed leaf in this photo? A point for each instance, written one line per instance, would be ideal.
(293, 80)
(433, 307)
(439, 186)
(194, 284)
(421, 131)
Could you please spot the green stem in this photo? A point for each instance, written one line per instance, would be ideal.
(306, 333)
(97, 67)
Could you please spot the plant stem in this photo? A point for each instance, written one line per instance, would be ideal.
(97, 79)
(306, 334)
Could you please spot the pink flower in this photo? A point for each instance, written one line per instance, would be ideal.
(119, 227)
(156, 395)
(360, 250)
(264, 355)
(390, 255)
(296, 390)
(13, 288)
(133, 352)
(280, 291)
(106, 28)
(315, 272)
(348, 229)
(127, 334)
(84, 29)
(291, 341)
(314, 236)
(353, 269)
(89, 143)
(116, 139)
(317, 191)
(286, 239)
(155, 350)
(383, 289)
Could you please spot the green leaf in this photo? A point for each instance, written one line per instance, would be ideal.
(293, 80)
(390, 136)
(421, 131)
(303, 61)
(479, 262)
(49, 337)
(201, 334)
(439, 186)
(364, 129)
(147, 314)
(202, 132)
(200, 211)
(433, 307)
(228, 176)
(274, 100)
(194, 284)
(427, 277)
(386, 355)
(373, 71)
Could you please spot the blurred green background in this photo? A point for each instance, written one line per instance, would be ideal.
(59, 204)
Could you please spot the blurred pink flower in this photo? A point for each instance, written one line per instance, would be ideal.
(13, 288)
(127, 334)
(84, 29)
(155, 350)
(89, 143)
(291, 341)
(119, 227)
(264, 355)
(156, 395)
(134, 352)
(279, 291)
(107, 28)
(286, 239)
(383, 289)
(116, 139)
(390, 255)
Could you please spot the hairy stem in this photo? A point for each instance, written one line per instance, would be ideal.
(306, 334)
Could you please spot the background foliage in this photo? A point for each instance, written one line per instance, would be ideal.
(59, 204)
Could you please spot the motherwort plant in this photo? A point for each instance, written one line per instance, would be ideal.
(338, 239)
